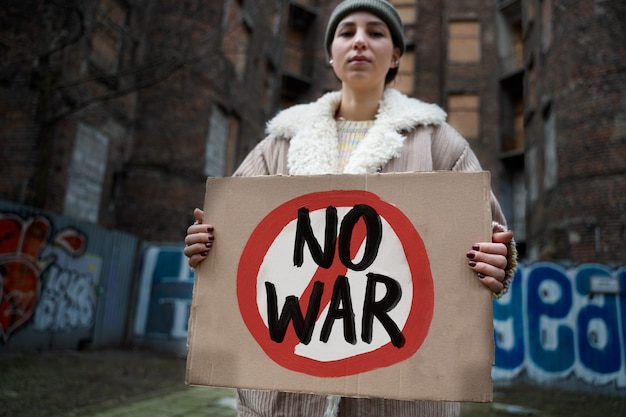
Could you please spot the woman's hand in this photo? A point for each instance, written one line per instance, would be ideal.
(199, 240)
(490, 259)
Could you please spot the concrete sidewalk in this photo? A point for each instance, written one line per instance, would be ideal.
(220, 402)
(188, 402)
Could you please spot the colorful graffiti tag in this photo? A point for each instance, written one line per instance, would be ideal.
(553, 325)
(45, 277)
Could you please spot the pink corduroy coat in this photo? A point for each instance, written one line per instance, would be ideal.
(408, 135)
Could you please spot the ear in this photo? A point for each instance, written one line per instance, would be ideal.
(395, 58)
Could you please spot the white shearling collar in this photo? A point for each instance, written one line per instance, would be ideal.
(312, 132)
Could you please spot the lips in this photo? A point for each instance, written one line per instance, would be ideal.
(359, 59)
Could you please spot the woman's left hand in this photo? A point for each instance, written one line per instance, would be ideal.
(489, 260)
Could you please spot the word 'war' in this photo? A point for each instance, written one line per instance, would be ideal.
(341, 304)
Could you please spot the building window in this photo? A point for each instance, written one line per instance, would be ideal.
(518, 220)
(294, 52)
(231, 144)
(546, 25)
(513, 200)
(550, 158)
(510, 38)
(518, 46)
(406, 10)
(404, 79)
(86, 174)
(531, 90)
(215, 150)
(275, 17)
(532, 168)
(236, 37)
(270, 87)
(464, 42)
(464, 114)
(519, 124)
(107, 36)
(512, 118)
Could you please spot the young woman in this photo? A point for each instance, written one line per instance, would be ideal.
(366, 127)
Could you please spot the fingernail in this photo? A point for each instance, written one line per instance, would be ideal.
(209, 229)
(476, 247)
(204, 253)
(472, 263)
(481, 275)
(211, 237)
(208, 244)
(470, 255)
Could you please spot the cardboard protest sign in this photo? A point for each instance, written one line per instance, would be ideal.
(345, 284)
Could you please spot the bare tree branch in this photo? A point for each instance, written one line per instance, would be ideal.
(163, 72)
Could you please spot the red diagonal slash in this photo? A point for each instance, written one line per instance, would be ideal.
(327, 277)
(270, 228)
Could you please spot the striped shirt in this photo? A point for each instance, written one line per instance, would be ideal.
(349, 135)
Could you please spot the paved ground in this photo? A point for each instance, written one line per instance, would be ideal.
(136, 383)
(187, 402)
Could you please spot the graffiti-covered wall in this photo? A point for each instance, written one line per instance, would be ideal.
(63, 284)
(550, 327)
(559, 323)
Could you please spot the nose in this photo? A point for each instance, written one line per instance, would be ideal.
(359, 41)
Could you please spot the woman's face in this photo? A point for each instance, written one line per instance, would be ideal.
(362, 50)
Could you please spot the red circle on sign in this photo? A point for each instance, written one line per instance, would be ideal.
(417, 323)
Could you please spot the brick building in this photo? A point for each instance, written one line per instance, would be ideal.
(115, 111)
(203, 77)
(575, 109)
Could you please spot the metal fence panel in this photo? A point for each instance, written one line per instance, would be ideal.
(65, 283)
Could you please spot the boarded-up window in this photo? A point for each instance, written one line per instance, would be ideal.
(107, 36)
(294, 51)
(406, 10)
(404, 79)
(464, 114)
(546, 24)
(236, 37)
(215, 149)
(86, 174)
(464, 42)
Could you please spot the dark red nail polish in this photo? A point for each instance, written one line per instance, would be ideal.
(209, 229)
(476, 247)
(470, 255)
(481, 275)
(472, 263)
(208, 244)
(211, 238)
(204, 253)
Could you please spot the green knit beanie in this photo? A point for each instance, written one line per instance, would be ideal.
(381, 8)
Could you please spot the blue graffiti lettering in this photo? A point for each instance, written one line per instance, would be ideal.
(168, 288)
(566, 327)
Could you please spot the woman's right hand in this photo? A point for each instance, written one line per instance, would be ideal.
(199, 240)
